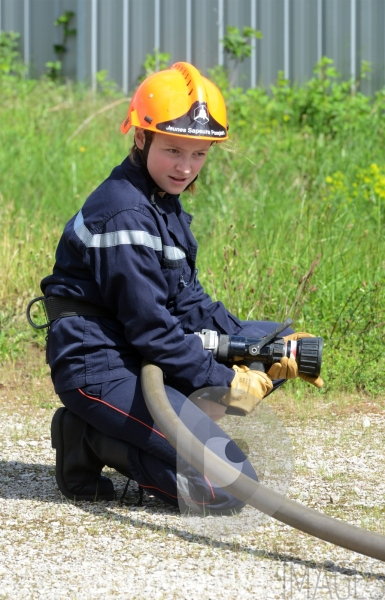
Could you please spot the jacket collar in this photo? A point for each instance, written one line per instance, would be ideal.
(169, 205)
(138, 175)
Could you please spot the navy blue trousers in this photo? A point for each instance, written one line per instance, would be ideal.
(117, 408)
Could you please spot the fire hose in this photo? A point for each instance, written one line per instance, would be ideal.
(204, 460)
(243, 487)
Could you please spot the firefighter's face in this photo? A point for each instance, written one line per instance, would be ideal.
(173, 162)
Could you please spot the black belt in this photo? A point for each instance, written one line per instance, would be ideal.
(56, 307)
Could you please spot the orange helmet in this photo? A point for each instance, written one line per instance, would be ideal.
(179, 101)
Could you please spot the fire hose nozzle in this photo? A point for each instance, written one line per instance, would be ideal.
(307, 352)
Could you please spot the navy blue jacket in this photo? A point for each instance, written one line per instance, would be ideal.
(132, 251)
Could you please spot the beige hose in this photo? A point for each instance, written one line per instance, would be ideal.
(243, 487)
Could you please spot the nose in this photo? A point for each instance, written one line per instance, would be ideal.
(183, 165)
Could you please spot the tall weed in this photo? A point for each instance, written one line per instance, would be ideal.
(288, 214)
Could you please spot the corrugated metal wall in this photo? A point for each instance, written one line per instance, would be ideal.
(116, 35)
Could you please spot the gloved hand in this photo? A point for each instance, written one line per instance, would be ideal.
(246, 390)
(287, 368)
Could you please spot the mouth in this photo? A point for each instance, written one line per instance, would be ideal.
(177, 180)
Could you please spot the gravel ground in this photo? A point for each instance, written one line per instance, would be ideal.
(52, 548)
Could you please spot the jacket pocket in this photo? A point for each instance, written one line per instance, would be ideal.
(178, 275)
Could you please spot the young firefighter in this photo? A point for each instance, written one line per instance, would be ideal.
(126, 271)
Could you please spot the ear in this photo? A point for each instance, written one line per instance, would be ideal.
(140, 138)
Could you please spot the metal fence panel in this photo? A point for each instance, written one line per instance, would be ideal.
(142, 35)
(205, 33)
(238, 14)
(271, 55)
(12, 19)
(304, 28)
(337, 33)
(110, 38)
(83, 38)
(42, 35)
(12, 15)
(175, 36)
(116, 36)
(371, 46)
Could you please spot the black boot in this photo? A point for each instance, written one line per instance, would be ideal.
(81, 453)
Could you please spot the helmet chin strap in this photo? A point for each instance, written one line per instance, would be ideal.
(143, 155)
(191, 182)
(146, 148)
(143, 152)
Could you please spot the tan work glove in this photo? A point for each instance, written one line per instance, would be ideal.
(246, 390)
(287, 368)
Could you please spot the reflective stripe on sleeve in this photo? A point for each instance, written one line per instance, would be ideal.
(123, 237)
(173, 253)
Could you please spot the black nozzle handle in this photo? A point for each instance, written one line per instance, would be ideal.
(255, 348)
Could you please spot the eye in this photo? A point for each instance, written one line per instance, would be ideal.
(172, 150)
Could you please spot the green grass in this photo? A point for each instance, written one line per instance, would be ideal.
(281, 234)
